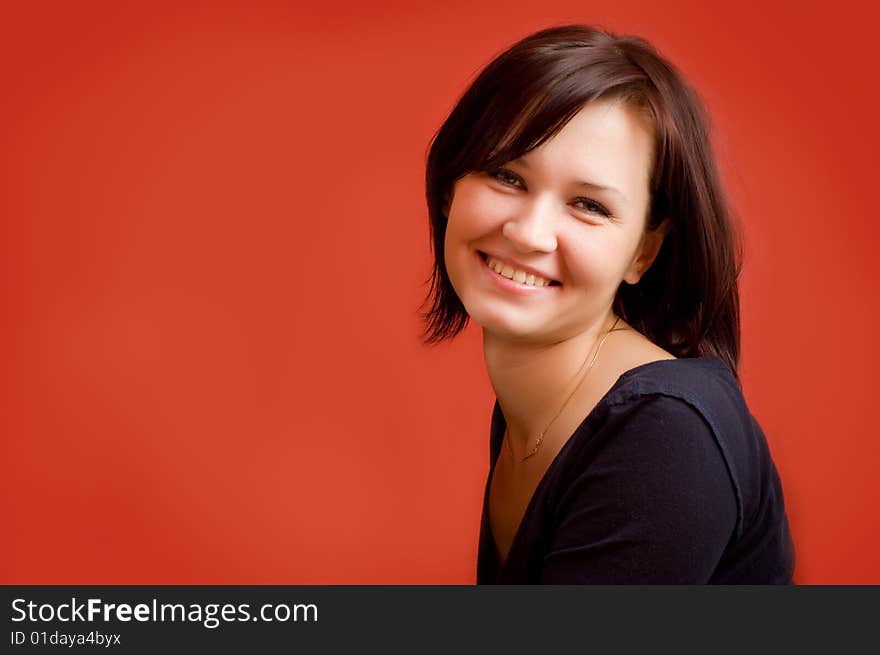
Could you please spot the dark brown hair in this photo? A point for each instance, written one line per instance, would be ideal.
(688, 301)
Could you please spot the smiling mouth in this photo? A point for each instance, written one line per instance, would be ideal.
(525, 277)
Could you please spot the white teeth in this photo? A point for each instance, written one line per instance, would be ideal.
(527, 279)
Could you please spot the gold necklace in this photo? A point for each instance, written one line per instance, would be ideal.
(577, 386)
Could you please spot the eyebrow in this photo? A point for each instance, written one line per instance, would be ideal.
(582, 183)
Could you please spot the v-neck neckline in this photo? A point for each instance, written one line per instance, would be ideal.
(517, 537)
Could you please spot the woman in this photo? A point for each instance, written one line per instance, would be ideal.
(577, 215)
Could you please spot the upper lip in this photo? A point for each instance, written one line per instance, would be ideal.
(515, 264)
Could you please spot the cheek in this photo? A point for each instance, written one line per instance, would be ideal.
(595, 258)
(475, 212)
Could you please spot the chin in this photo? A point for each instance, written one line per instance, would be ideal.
(503, 323)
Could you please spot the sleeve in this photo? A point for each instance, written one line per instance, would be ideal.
(655, 505)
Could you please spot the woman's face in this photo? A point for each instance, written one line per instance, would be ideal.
(546, 214)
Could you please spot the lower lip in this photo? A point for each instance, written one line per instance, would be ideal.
(514, 287)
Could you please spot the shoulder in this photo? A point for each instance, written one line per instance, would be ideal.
(685, 418)
(685, 377)
(653, 444)
(706, 384)
(635, 366)
(672, 408)
(678, 422)
(649, 497)
(664, 432)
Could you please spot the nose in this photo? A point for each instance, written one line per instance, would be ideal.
(533, 226)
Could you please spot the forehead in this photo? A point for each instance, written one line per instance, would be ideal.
(607, 142)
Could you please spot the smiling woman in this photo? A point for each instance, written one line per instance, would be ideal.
(578, 217)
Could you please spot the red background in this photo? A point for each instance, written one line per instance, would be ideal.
(214, 249)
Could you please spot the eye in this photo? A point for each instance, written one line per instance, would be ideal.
(506, 177)
(591, 206)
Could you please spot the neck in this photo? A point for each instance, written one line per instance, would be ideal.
(532, 380)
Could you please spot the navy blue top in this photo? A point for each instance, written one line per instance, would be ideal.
(668, 480)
